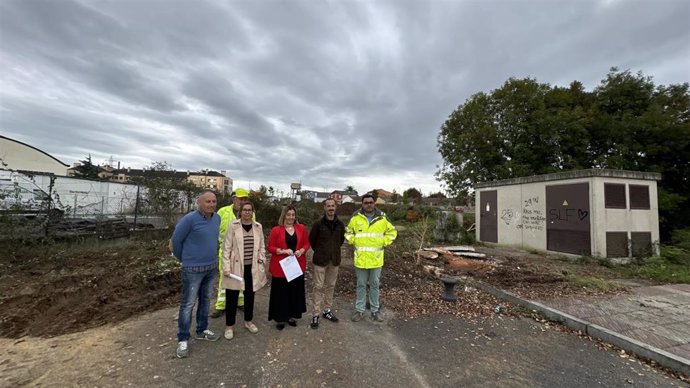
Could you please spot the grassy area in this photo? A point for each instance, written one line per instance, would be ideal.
(593, 283)
(673, 266)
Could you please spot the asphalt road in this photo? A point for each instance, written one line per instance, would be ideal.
(431, 351)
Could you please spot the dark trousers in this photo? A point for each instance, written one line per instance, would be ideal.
(233, 295)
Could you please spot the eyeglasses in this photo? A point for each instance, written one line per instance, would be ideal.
(368, 202)
(247, 210)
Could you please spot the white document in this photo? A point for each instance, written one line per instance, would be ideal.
(236, 277)
(291, 268)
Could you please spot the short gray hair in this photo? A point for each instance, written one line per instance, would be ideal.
(205, 191)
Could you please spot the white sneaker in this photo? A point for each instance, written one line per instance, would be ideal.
(229, 333)
(182, 349)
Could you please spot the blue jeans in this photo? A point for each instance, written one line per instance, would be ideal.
(372, 276)
(197, 283)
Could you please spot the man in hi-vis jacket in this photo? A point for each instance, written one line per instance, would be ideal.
(369, 232)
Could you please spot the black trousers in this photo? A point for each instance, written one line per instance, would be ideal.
(232, 296)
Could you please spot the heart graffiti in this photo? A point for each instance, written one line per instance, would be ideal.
(582, 214)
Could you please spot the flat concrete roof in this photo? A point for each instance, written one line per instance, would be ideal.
(574, 174)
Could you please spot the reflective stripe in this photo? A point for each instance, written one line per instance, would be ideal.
(378, 235)
(368, 249)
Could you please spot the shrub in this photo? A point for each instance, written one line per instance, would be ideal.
(268, 215)
(308, 212)
(675, 255)
(681, 238)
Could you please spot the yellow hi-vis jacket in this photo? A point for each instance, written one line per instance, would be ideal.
(227, 215)
(369, 239)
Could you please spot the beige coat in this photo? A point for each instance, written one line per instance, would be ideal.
(233, 256)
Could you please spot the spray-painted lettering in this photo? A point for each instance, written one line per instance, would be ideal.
(531, 201)
(568, 214)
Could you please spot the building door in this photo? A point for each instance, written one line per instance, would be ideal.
(488, 216)
(568, 219)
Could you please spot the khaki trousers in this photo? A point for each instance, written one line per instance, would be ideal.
(324, 285)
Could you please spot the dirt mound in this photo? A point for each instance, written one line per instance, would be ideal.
(63, 289)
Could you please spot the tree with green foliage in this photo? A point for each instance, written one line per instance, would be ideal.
(86, 169)
(167, 194)
(527, 128)
(413, 195)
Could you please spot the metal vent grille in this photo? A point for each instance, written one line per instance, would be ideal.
(641, 244)
(617, 244)
(639, 196)
(614, 196)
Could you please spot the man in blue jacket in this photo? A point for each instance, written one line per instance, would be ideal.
(195, 244)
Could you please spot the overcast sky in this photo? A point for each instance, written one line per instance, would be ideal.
(329, 93)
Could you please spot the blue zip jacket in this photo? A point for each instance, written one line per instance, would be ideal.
(195, 239)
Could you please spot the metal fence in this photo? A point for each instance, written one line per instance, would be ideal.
(34, 205)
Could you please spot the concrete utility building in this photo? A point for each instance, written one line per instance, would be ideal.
(597, 212)
(15, 155)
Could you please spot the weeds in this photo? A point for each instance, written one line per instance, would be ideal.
(593, 283)
(673, 266)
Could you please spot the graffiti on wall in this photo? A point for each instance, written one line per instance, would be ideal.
(532, 219)
(568, 214)
(507, 215)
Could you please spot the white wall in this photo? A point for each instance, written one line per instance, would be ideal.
(77, 197)
(17, 156)
(622, 220)
(523, 217)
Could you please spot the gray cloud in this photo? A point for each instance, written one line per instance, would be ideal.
(329, 93)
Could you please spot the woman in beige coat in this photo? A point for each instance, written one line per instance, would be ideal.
(244, 268)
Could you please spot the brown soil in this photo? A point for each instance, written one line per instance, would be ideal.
(542, 275)
(67, 289)
(52, 289)
(411, 292)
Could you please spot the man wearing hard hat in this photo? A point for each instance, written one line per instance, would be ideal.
(228, 213)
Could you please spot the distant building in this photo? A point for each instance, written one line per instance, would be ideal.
(382, 196)
(314, 196)
(205, 179)
(342, 196)
(15, 155)
(321, 196)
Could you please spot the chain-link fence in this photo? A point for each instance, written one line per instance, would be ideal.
(46, 205)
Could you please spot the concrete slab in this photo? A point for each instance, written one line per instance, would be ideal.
(676, 287)
(652, 338)
(670, 332)
(653, 291)
(653, 321)
(620, 322)
(645, 316)
(681, 350)
(677, 314)
(581, 310)
(682, 327)
(680, 299)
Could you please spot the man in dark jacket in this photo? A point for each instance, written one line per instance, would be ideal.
(326, 236)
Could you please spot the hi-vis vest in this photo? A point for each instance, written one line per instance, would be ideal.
(369, 239)
(227, 215)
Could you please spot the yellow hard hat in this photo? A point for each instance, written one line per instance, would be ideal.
(241, 193)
